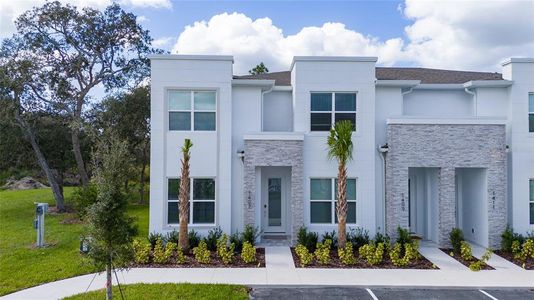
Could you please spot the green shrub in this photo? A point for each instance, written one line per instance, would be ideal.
(83, 197)
(525, 251)
(381, 238)
(201, 252)
(456, 236)
(508, 237)
(194, 239)
(373, 254)
(479, 264)
(403, 236)
(154, 237)
(250, 234)
(358, 237)
(172, 237)
(346, 255)
(465, 251)
(180, 257)
(237, 240)
(330, 236)
(141, 252)
(305, 256)
(248, 254)
(307, 239)
(161, 255)
(213, 236)
(411, 253)
(322, 252)
(225, 252)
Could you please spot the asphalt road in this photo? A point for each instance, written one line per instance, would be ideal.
(381, 293)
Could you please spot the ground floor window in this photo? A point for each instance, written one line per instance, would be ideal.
(202, 198)
(323, 200)
(531, 200)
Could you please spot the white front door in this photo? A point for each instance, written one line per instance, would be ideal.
(274, 190)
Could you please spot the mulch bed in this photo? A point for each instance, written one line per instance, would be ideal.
(360, 263)
(464, 262)
(529, 263)
(214, 263)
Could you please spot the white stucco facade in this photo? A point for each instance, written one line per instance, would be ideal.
(262, 109)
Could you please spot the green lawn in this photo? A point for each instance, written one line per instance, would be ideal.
(171, 291)
(22, 265)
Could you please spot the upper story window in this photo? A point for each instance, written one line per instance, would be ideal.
(531, 112)
(192, 110)
(329, 108)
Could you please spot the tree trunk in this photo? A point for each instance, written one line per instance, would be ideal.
(41, 160)
(109, 285)
(342, 205)
(142, 177)
(76, 148)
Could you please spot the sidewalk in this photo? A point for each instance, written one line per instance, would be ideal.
(280, 271)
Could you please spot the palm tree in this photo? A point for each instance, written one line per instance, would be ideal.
(184, 196)
(340, 148)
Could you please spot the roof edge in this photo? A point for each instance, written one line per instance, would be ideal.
(487, 83)
(397, 83)
(333, 59)
(191, 57)
(517, 60)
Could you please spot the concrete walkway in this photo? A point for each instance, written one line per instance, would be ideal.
(280, 271)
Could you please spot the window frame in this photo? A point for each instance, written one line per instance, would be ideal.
(191, 203)
(333, 201)
(530, 112)
(333, 109)
(530, 201)
(192, 109)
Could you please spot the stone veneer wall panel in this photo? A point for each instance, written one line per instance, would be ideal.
(446, 146)
(274, 153)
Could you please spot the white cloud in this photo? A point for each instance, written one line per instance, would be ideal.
(446, 34)
(11, 9)
(142, 19)
(163, 42)
(470, 34)
(252, 41)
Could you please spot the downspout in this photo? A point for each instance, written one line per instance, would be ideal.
(474, 94)
(261, 109)
(402, 94)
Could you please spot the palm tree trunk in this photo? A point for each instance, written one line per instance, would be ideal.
(184, 204)
(342, 205)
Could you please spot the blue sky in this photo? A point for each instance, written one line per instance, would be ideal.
(381, 19)
(448, 34)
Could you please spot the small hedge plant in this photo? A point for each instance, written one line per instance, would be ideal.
(346, 255)
(358, 237)
(322, 252)
(305, 256)
(213, 236)
(163, 253)
(372, 253)
(479, 265)
(225, 252)
(524, 251)
(248, 253)
(411, 253)
(201, 252)
(141, 252)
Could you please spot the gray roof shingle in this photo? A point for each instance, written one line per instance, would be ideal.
(428, 76)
